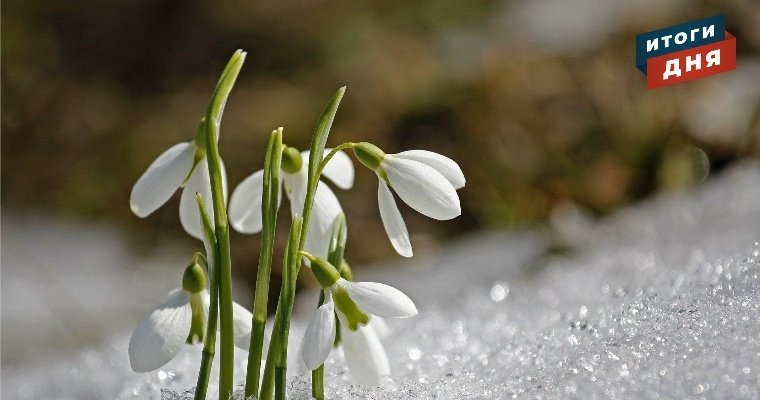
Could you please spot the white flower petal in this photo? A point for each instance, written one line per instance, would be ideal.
(319, 337)
(340, 169)
(446, 166)
(295, 189)
(189, 215)
(241, 326)
(245, 204)
(302, 368)
(241, 321)
(160, 335)
(380, 299)
(365, 355)
(206, 298)
(393, 221)
(422, 188)
(162, 178)
(199, 181)
(326, 208)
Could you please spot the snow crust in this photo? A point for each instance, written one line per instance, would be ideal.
(660, 301)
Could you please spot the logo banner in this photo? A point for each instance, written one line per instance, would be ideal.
(685, 52)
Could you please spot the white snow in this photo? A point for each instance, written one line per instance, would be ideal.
(660, 301)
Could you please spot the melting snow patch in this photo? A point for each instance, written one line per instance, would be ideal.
(661, 301)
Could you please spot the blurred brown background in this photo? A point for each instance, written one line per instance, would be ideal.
(538, 101)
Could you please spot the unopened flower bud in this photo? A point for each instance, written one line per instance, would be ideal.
(345, 271)
(291, 160)
(194, 278)
(369, 155)
(325, 272)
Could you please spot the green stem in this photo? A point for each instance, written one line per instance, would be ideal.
(209, 344)
(331, 154)
(318, 140)
(335, 257)
(318, 375)
(290, 276)
(269, 207)
(318, 383)
(267, 381)
(221, 227)
(298, 231)
(277, 356)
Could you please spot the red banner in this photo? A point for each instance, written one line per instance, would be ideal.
(693, 63)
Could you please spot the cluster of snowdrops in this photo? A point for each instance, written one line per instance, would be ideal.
(349, 314)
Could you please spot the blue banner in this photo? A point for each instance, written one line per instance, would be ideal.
(677, 38)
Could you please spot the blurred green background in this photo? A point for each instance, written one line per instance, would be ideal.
(538, 101)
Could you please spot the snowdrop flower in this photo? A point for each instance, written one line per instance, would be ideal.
(355, 303)
(183, 165)
(424, 180)
(245, 203)
(364, 352)
(180, 319)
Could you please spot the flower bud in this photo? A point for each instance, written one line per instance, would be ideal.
(345, 271)
(291, 160)
(369, 155)
(325, 272)
(194, 278)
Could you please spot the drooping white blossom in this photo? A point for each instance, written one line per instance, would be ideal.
(319, 336)
(184, 165)
(160, 335)
(378, 299)
(183, 318)
(425, 180)
(361, 344)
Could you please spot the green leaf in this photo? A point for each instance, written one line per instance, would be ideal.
(269, 209)
(221, 227)
(272, 167)
(321, 132)
(224, 87)
(275, 370)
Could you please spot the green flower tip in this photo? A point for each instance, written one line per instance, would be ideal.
(231, 70)
(198, 321)
(291, 160)
(238, 57)
(194, 278)
(369, 155)
(355, 317)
